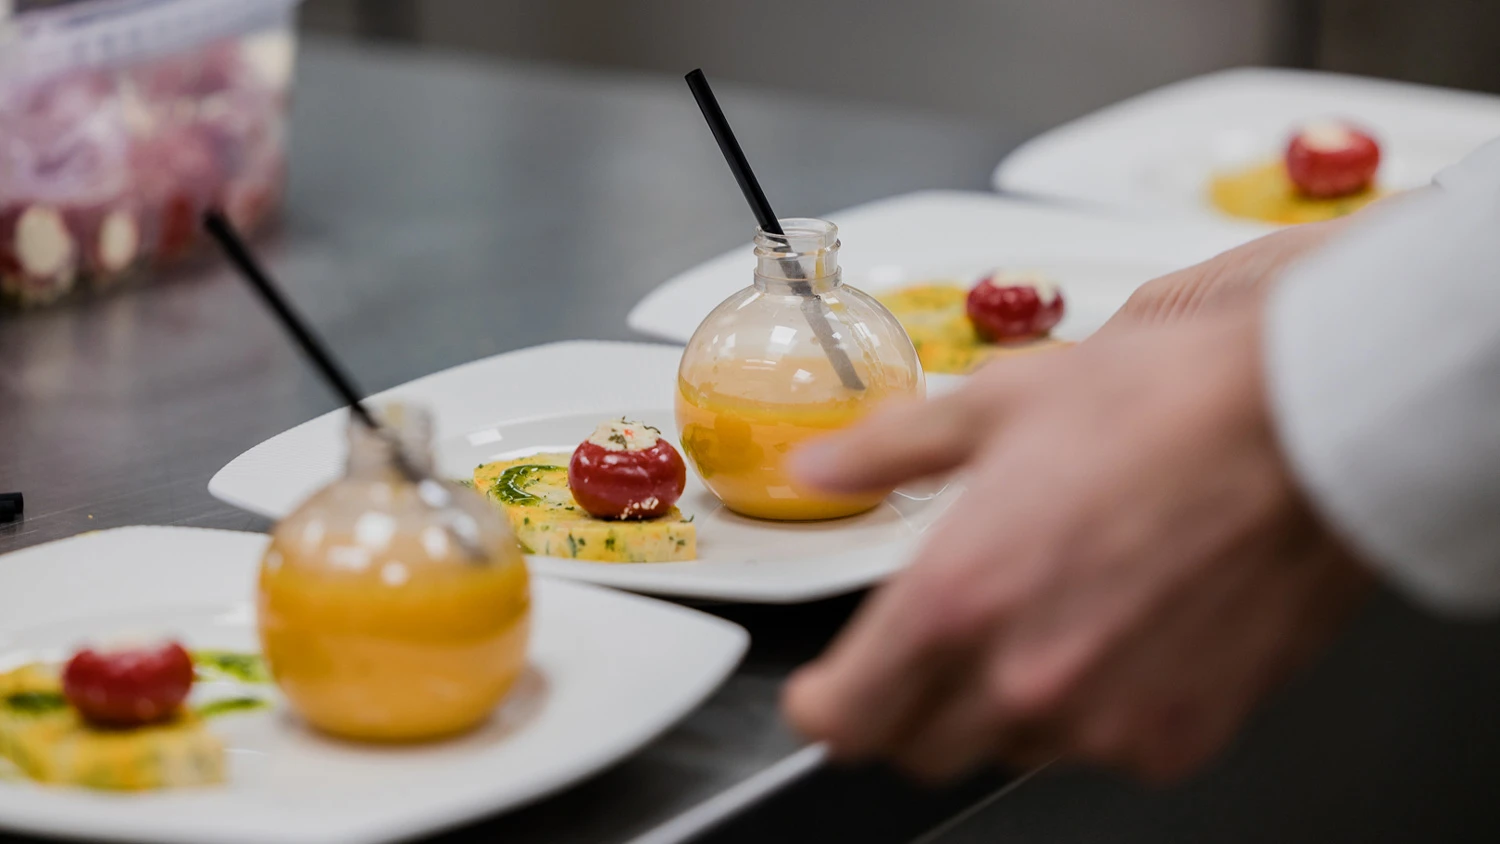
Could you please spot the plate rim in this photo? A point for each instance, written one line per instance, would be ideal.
(422, 820)
(645, 315)
(224, 474)
(1012, 176)
(889, 557)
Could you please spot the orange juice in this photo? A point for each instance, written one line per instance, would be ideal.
(401, 640)
(740, 419)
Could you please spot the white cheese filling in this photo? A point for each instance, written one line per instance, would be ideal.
(1327, 136)
(131, 640)
(1046, 289)
(624, 435)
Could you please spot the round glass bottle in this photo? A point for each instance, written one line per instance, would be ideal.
(795, 355)
(384, 617)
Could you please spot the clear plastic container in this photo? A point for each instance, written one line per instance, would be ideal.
(122, 120)
(796, 355)
(388, 614)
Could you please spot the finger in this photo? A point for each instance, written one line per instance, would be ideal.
(1170, 697)
(1178, 689)
(901, 442)
(958, 731)
(973, 730)
(859, 694)
(1031, 746)
(1314, 597)
(879, 675)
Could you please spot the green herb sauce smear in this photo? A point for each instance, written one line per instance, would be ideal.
(232, 705)
(231, 665)
(514, 482)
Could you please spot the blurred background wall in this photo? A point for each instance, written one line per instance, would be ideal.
(1034, 62)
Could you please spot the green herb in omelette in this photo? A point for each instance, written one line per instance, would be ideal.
(34, 703)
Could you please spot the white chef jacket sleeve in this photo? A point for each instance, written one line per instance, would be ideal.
(1382, 358)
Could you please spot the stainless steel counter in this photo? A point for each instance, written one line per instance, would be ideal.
(444, 209)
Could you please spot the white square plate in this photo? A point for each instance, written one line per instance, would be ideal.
(607, 673)
(550, 398)
(903, 240)
(1157, 152)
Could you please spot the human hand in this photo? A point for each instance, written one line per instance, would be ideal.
(1240, 276)
(1130, 570)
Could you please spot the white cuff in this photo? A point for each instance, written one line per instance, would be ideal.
(1382, 361)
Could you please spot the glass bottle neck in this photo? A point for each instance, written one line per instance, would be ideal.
(372, 454)
(802, 260)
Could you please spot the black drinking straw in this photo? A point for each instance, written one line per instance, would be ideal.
(322, 359)
(311, 345)
(12, 506)
(812, 306)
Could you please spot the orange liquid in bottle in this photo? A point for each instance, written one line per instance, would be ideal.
(742, 418)
(398, 644)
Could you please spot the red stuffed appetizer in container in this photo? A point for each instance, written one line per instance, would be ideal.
(123, 121)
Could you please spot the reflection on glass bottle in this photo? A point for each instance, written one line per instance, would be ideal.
(757, 379)
(376, 623)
